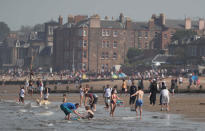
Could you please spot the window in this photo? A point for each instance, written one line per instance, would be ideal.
(105, 44)
(103, 55)
(84, 33)
(114, 55)
(139, 34)
(103, 33)
(108, 44)
(165, 36)
(139, 45)
(115, 33)
(107, 33)
(146, 34)
(146, 45)
(80, 43)
(84, 66)
(84, 54)
(156, 34)
(84, 43)
(106, 55)
(50, 30)
(115, 44)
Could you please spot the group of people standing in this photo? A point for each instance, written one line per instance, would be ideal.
(29, 88)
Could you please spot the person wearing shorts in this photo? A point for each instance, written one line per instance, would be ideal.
(107, 95)
(93, 99)
(68, 108)
(139, 101)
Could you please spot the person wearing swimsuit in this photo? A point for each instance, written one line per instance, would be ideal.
(139, 101)
(113, 102)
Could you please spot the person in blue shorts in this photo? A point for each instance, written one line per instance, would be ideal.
(68, 108)
(139, 101)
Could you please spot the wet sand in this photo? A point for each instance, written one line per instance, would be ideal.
(192, 105)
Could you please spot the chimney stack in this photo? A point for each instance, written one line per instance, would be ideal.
(201, 24)
(128, 23)
(162, 19)
(151, 23)
(187, 23)
(70, 19)
(60, 20)
(94, 21)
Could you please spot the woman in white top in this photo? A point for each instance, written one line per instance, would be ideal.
(164, 97)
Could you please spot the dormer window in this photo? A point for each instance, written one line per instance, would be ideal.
(18, 43)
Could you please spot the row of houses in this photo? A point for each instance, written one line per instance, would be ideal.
(97, 45)
(91, 43)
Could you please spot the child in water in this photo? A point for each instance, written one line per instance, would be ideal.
(21, 95)
(89, 113)
(64, 98)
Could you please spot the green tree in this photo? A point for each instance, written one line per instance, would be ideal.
(133, 52)
(181, 34)
(4, 31)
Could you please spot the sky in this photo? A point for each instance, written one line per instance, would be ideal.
(30, 12)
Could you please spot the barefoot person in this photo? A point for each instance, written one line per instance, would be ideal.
(107, 95)
(81, 94)
(89, 113)
(21, 95)
(133, 89)
(165, 97)
(68, 108)
(64, 98)
(139, 101)
(93, 99)
(113, 102)
(124, 87)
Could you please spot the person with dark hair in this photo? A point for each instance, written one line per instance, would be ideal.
(139, 101)
(93, 99)
(153, 92)
(124, 87)
(113, 102)
(68, 108)
(21, 95)
(164, 97)
(133, 90)
(107, 95)
(89, 113)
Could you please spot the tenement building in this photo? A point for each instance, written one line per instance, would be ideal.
(97, 45)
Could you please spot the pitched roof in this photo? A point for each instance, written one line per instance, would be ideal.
(111, 24)
(180, 24)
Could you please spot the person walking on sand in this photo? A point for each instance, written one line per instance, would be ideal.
(107, 95)
(133, 90)
(124, 87)
(139, 101)
(113, 102)
(153, 92)
(68, 108)
(164, 97)
(21, 95)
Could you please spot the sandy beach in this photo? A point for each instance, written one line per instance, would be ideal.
(190, 105)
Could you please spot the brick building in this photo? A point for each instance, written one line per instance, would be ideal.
(97, 45)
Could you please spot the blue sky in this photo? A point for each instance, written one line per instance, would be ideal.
(30, 12)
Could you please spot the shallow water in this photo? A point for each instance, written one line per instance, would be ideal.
(32, 117)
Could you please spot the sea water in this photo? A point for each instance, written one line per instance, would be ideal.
(30, 116)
